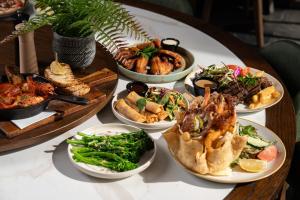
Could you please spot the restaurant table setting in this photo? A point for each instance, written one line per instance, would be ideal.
(132, 138)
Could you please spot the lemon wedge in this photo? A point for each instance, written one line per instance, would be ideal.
(57, 68)
(253, 165)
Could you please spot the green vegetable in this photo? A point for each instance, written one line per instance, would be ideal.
(247, 130)
(257, 142)
(105, 159)
(198, 123)
(171, 100)
(222, 75)
(118, 152)
(164, 100)
(141, 103)
(253, 138)
(248, 80)
(147, 52)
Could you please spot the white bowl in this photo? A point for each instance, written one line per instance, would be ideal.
(102, 172)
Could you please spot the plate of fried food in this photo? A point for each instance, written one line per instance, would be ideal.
(111, 151)
(155, 110)
(155, 61)
(211, 143)
(251, 89)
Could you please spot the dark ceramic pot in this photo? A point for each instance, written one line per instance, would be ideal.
(75, 51)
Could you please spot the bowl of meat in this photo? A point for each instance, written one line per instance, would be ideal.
(151, 62)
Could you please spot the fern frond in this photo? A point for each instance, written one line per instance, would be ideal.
(29, 26)
(108, 20)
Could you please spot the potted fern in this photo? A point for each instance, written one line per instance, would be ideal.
(77, 24)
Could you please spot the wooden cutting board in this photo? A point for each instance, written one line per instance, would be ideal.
(63, 109)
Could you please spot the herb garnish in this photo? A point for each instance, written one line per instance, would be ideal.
(247, 130)
(248, 80)
(147, 52)
(141, 103)
(164, 100)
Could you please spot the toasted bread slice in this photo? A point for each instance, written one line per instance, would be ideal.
(79, 89)
(61, 80)
(66, 82)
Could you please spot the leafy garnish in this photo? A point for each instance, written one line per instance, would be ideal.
(222, 75)
(141, 103)
(164, 100)
(248, 80)
(248, 130)
(147, 52)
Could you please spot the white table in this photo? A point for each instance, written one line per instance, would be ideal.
(45, 172)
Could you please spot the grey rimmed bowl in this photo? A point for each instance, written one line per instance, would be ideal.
(173, 76)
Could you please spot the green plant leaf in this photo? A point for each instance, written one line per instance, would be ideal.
(108, 20)
(141, 103)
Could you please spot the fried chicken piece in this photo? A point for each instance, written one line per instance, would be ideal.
(178, 60)
(141, 65)
(126, 56)
(159, 67)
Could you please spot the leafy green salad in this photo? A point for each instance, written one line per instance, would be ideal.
(255, 143)
(172, 100)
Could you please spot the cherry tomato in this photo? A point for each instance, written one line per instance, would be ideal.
(245, 71)
(233, 67)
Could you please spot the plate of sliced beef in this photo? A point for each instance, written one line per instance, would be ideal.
(250, 89)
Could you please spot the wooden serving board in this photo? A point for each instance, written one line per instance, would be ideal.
(64, 109)
(103, 82)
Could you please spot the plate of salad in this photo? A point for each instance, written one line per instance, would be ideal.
(263, 154)
(111, 151)
(156, 109)
(250, 89)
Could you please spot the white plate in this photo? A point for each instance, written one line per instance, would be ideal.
(102, 172)
(163, 124)
(240, 108)
(240, 176)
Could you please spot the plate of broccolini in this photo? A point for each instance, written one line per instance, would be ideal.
(111, 151)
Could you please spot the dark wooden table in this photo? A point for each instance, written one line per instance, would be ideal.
(279, 118)
(43, 44)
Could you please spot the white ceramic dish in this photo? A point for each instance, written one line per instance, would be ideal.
(240, 108)
(153, 126)
(240, 176)
(102, 172)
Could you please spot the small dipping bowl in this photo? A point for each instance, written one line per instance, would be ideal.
(139, 87)
(170, 44)
(200, 85)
